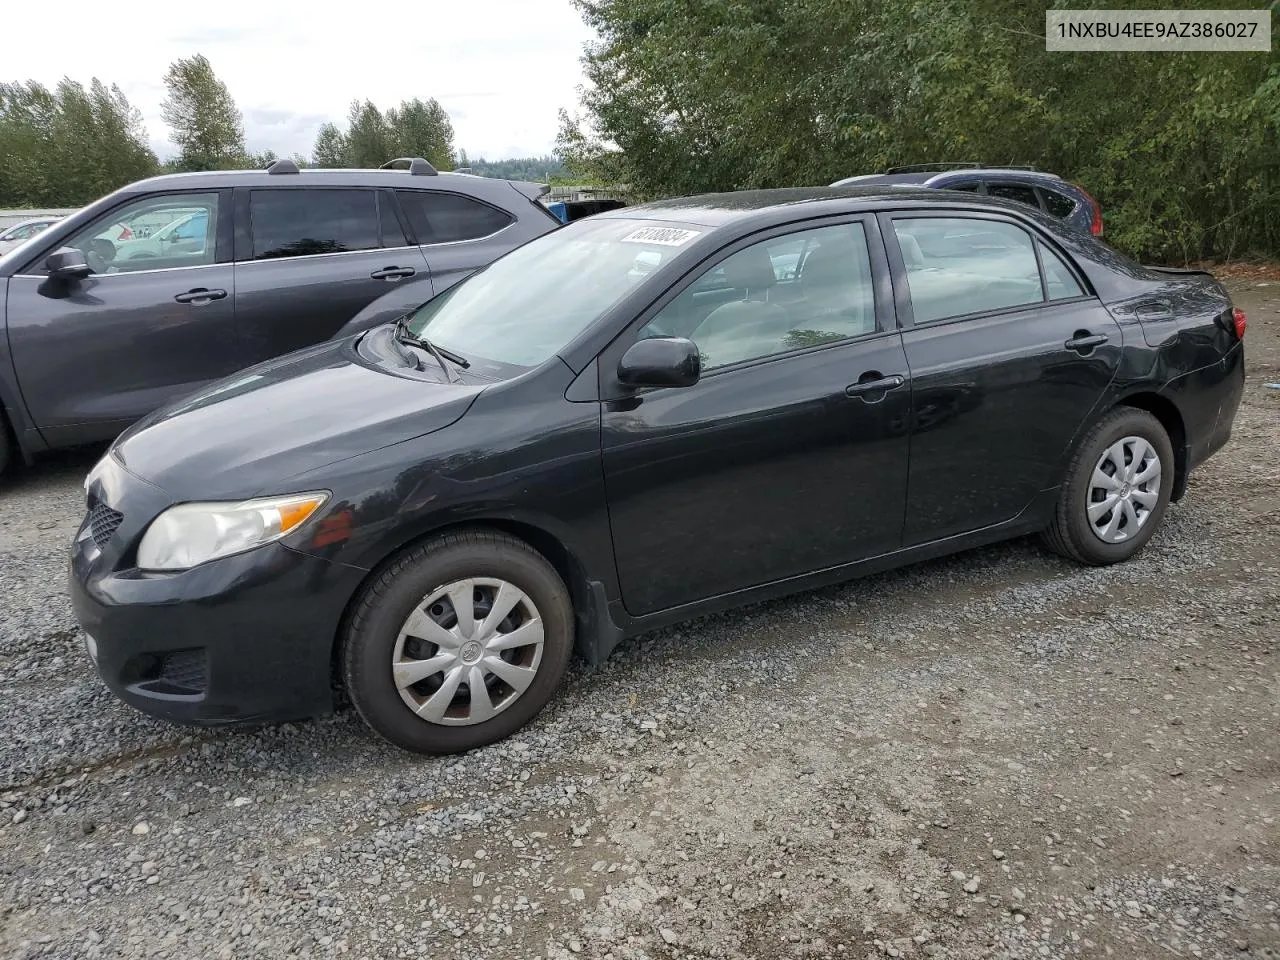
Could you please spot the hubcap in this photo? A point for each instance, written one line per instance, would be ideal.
(467, 651)
(1124, 489)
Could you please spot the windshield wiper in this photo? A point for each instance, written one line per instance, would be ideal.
(440, 354)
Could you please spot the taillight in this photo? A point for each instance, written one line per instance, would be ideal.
(1095, 225)
(1240, 320)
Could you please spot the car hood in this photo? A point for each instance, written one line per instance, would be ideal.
(248, 434)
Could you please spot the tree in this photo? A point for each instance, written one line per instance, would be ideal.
(422, 129)
(415, 128)
(728, 94)
(202, 116)
(330, 149)
(69, 146)
(369, 137)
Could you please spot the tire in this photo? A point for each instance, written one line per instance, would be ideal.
(397, 621)
(1073, 533)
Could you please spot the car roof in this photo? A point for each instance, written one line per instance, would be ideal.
(308, 177)
(725, 209)
(936, 178)
(716, 209)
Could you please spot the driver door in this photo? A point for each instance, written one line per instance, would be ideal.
(94, 355)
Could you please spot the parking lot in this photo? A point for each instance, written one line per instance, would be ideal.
(999, 754)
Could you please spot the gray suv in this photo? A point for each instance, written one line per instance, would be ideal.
(172, 282)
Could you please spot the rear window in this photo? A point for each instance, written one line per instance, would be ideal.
(450, 217)
(299, 223)
(1017, 192)
(1058, 205)
(958, 266)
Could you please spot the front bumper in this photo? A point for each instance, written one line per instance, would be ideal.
(245, 638)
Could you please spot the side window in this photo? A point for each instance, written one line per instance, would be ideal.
(1058, 205)
(777, 295)
(389, 223)
(450, 217)
(1057, 277)
(959, 265)
(966, 187)
(300, 223)
(152, 233)
(1014, 191)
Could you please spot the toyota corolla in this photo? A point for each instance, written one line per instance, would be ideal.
(650, 414)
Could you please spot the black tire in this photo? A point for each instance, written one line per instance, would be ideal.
(1071, 533)
(380, 612)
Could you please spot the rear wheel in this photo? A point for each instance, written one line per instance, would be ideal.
(1116, 490)
(459, 643)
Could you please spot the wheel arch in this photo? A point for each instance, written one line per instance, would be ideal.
(587, 602)
(1170, 417)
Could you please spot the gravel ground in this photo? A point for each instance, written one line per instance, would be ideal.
(995, 755)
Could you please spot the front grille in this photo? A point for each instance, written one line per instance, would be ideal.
(103, 523)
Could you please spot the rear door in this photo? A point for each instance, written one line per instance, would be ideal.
(94, 355)
(308, 259)
(458, 234)
(1010, 354)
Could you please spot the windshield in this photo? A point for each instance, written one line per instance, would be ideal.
(523, 308)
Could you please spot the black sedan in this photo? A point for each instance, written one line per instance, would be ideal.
(648, 415)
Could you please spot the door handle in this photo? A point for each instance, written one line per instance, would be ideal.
(200, 295)
(392, 273)
(1083, 342)
(876, 384)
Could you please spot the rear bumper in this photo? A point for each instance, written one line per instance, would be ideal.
(1228, 393)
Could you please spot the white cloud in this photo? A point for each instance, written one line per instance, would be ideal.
(500, 68)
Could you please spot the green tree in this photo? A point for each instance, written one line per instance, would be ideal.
(415, 128)
(69, 146)
(330, 148)
(422, 129)
(202, 116)
(369, 139)
(725, 94)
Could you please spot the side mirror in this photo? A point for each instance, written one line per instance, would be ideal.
(661, 362)
(67, 263)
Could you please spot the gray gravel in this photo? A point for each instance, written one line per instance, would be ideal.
(994, 755)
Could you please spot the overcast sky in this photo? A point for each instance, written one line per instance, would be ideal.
(500, 68)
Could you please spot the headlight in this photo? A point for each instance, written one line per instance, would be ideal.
(194, 533)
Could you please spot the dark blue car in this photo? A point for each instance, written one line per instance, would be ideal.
(1047, 192)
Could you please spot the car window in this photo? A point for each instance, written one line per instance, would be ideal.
(1058, 205)
(782, 294)
(450, 217)
(1057, 277)
(132, 237)
(300, 223)
(967, 187)
(1014, 191)
(959, 265)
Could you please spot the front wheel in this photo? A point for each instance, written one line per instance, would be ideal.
(458, 643)
(1116, 490)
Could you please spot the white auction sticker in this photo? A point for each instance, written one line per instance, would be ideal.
(662, 236)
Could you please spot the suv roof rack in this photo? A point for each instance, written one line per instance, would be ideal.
(416, 166)
(926, 167)
(283, 165)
